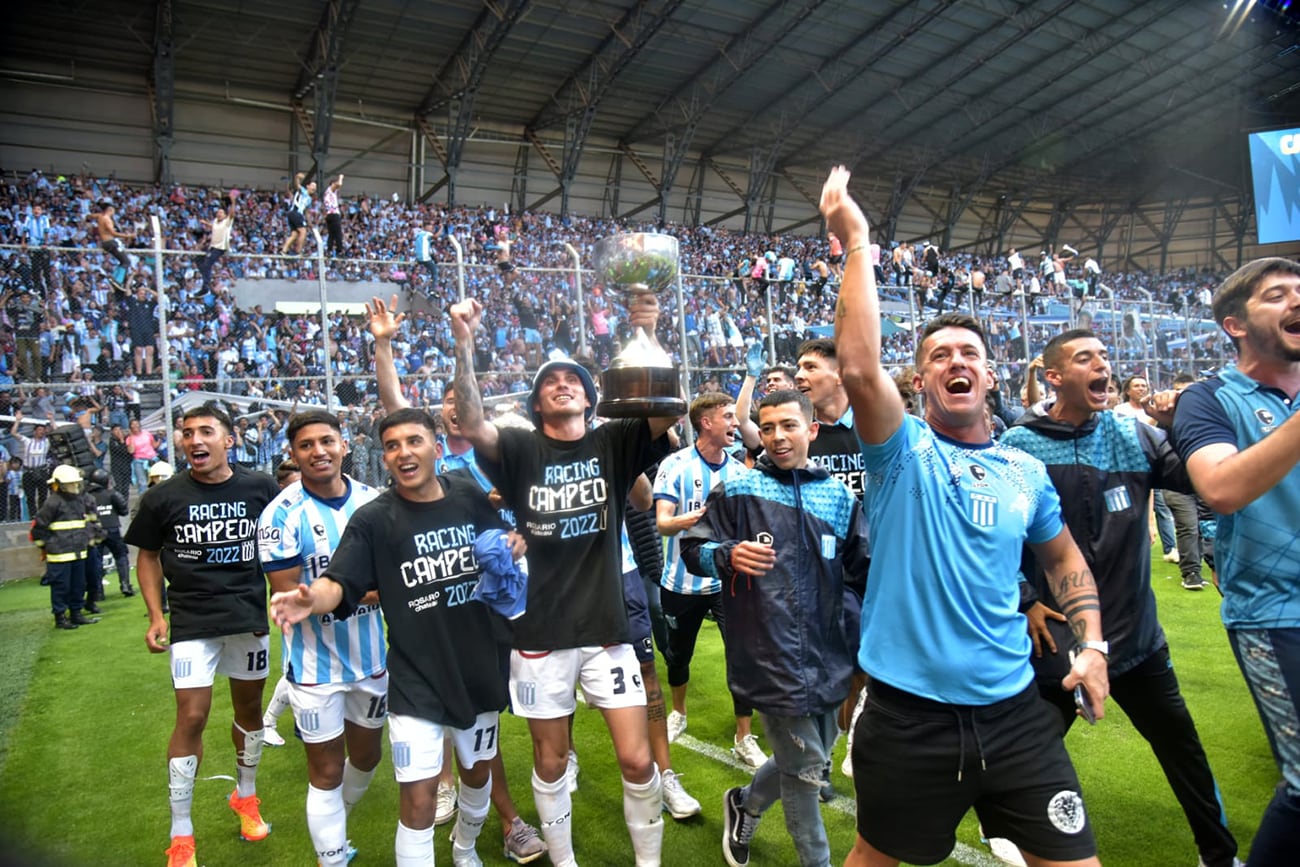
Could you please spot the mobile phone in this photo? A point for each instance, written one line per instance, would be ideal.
(1083, 702)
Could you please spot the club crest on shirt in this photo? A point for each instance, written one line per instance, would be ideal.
(527, 691)
(983, 510)
(1266, 419)
(979, 474)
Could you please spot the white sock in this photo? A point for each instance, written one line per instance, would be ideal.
(327, 822)
(278, 704)
(180, 791)
(473, 812)
(643, 806)
(355, 783)
(555, 810)
(413, 848)
(246, 761)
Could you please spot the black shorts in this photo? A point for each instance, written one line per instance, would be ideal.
(506, 267)
(638, 616)
(919, 765)
(835, 260)
(296, 220)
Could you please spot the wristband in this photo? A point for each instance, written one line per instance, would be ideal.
(854, 249)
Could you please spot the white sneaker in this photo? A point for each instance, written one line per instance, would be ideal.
(748, 751)
(677, 802)
(676, 725)
(1171, 557)
(445, 805)
(846, 767)
(1006, 851)
(571, 772)
(271, 737)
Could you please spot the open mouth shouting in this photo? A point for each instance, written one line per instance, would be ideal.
(959, 385)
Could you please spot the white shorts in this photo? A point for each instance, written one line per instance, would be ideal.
(417, 744)
(1058, 277)
(196, 663)
(542, 682)
(320, 709)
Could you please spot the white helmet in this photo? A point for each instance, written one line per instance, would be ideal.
(65, 474)
(162, 471)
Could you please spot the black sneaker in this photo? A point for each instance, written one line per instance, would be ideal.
(63, 622)
(737, 829)
(82, 620)
(1197, 583)
(92, 608)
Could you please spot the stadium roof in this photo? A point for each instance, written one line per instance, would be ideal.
(1091, 97)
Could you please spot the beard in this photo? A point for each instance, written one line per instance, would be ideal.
(1271, 342)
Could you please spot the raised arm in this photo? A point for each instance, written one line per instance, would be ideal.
(474, 426)
(383, 321)
(744, 401)
(877, 406)
(643, 313)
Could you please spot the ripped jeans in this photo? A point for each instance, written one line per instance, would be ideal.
(801, 751)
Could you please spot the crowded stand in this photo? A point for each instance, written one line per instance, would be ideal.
(79, 326)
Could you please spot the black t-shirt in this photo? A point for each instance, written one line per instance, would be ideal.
(568, 499)
(838, 451)
(446, 651)
(208, 538)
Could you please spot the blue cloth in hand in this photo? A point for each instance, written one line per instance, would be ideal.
(503, 582)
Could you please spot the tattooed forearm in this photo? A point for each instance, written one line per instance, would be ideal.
(1070, 583)
(469, 403)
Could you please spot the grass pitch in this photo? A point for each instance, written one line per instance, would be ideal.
(85, 717)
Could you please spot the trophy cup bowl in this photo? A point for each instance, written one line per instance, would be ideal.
(642, 381)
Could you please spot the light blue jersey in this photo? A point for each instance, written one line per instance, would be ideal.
(299, 529)
(685, 479)
(940, 618)
(1257, 548)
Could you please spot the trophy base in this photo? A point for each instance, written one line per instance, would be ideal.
(641, 392)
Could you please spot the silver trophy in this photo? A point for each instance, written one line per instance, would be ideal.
(642, 381)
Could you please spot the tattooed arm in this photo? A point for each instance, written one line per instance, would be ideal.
(474, 426)
(1072, 584)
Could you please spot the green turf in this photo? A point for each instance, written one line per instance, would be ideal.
(85, 716)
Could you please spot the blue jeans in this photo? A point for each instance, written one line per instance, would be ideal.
(140, 473)
(1270, 661)
(801, 752)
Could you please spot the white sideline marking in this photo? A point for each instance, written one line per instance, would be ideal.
(961, 853)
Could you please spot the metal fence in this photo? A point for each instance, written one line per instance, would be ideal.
(708, 323)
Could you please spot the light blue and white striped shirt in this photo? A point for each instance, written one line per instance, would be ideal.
(685, 478)
(299, 529)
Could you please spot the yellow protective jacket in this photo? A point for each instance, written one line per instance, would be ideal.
(63, 528)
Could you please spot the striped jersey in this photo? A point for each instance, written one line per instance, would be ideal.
(298, 529)
(423, 245)
(301, 201)
(685, 479)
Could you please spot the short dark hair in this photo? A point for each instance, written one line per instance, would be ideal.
(706, 403)
(789, 395)
(300, 420)
(405, 415)
(951, 320)
(209, 409)
(1055, 347)
(823, 346)
(1183, 378)
(783, 369)
(1231, 297)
